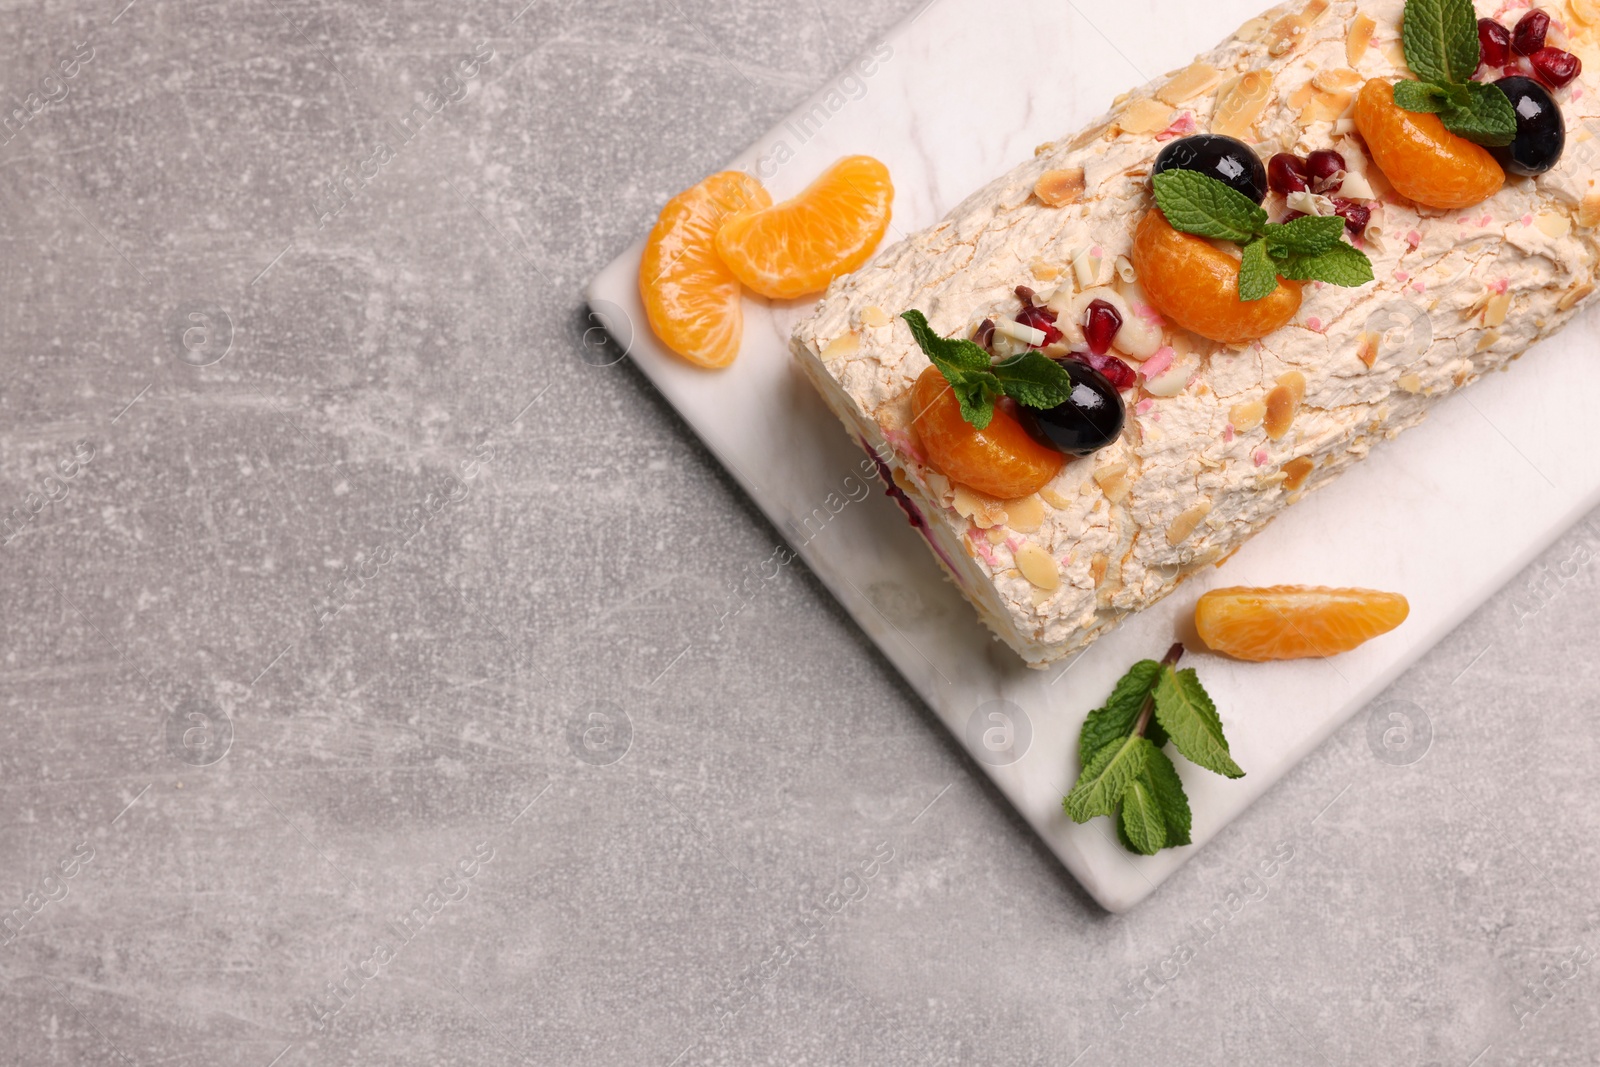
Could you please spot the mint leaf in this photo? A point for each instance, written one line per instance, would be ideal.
(1201, 205)
(1311, 235)
(1186, 712)
(1161, 778)
(1419, 97)
(964, 365)
(1034, 379)
(1257, 276)
(1111, 723)
(1487, 117)
(1140, 825)
(1441, 40)
(1104, 780)
(1342, 264)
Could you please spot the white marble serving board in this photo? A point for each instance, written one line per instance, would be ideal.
(1446, 514)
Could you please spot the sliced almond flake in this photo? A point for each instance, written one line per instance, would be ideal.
(1489, 339)
(1247, 415)
(1290, 30)
(1327, 107)
(1252, 30)
(984, 511)
(1358, 38)
(1295, 382)
(1097, 567)
(1411, 383)
(1585, 12)
(1038, 566)
(1337, 80)
(1184, 525)
(1025, 515)
(1301, 96)
(1044, 271)
(1394, 52)
(1113, 481)
(1494, 312)
(1055, 499)
(1240, 103)
(1368, 345)
(1589, 210)
(1553, 225)
(1057, 188)
(1297, 471)
(846, 344)
(1040, 597)
(1145, 116)
(1198, 77)
(1570, 298)
(1281, 408)
(873, 315)
(996, 534)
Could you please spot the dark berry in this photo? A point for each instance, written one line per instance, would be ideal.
(1116, 372)
(1528, 35)
(1356, 216)
(1541, 131)
(1024, 294)
(1556, 68)
(1287, 174)
(1230, 161)
(1042, 319)
(984, 337)
(1091, 418)
(1325, 168)
(1101, 321)
(1494, 42)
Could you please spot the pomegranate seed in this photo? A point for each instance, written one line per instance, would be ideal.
(1323, 167)
(984, 337)
(1556, 68)
(1287, 174)
(1356, 216)
(1528, 35)
(1101, 321)
(1494, 42)
(1118, 373)
(1042, 319)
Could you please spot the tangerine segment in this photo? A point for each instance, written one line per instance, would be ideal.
(1196, 285)
(1001, 460)
(1424, 161)
(1294, 621)
(799, 246)
(690, 296)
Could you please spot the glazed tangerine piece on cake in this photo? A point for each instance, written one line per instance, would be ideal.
(690, 296)
(797, 247)
(1002, 460)
(1294, 621)
(1196, 285)
(1424, 161)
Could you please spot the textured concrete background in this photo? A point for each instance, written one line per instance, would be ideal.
(342, 722)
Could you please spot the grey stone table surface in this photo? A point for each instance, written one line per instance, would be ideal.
(342, 717)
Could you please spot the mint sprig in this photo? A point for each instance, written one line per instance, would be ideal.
(1031, 379)
(1306, 249)
(1440, 38)
(1125, 772)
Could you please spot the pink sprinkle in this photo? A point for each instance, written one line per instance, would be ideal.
(1158, 363)
(1401, 276)
(1577, 94)
(1500, 286)
(1149, 314)
(1420, 286)
(1227, 432)
(1156, 417)
(1527, 220)
(980, 545)
(1463, 221)
(1413, 239)
(1181, 128)
(1013, 543)
(1144, 406)
(1314, 323)
(1319, 285)
(1260, 457)
(1097, 252)
(1486, 220)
